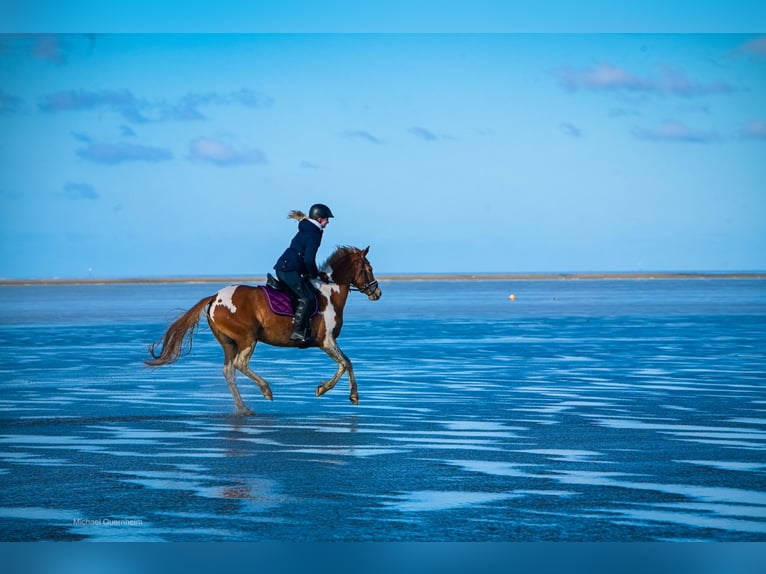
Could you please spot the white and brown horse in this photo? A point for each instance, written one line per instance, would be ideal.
(239, 316)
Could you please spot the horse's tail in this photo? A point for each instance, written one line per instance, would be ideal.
(181, 330)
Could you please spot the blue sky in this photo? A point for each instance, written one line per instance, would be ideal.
(145, 155)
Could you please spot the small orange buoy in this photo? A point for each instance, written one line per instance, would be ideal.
(512, 297)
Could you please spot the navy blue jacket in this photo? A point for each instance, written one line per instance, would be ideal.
(301, 255)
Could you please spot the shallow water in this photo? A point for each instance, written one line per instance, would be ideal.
(584, 410)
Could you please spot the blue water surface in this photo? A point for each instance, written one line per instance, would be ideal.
(584, 410)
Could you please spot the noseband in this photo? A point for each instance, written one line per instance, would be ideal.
(368, 289)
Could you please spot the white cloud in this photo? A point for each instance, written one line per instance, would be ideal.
(608, 78)
(603, 77)
(223, 153)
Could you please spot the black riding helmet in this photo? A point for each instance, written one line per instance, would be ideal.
(320, 210)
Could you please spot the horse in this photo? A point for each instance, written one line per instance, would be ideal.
(239, 317)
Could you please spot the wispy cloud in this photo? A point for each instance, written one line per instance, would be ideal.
(52, 48)
(81, 137)
(223, 153)
(623, 112)
(48, 47)
(140, 110)
(188, 107)
(423, 133)
(112, 154)
(570, 130)
(673, 131)
(427, 135)
(9, 103)
(249, 99)
(305, 164)
(756, 46)
(80, 191)
(608, 78)
(77, 100)
(361, 135)
(755, 129)
(674, 82)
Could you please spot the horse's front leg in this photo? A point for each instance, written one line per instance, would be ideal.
(344, 366)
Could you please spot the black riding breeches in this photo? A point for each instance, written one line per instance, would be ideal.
(301, 287)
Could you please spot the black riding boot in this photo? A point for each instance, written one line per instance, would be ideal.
(300, 321)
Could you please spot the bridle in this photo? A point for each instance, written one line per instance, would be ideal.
(369, 287)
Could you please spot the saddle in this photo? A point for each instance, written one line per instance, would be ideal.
(281, 299)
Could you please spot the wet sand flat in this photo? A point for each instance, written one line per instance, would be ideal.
(605, 410)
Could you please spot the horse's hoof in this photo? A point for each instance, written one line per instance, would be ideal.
(354, 399)
(244, 412)
(268, 396)
(321, 390)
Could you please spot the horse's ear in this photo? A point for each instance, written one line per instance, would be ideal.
(366, 251)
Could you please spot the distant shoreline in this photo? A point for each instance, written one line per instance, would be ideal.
(256, 280)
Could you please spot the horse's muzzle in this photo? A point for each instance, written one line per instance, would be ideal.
(375, 295)
(372, 290)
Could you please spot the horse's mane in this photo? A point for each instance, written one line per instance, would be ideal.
(340, 259)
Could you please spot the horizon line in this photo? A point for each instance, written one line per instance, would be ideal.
(528, 276)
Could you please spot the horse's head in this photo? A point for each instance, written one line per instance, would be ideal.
(364, 280)
(350, 266)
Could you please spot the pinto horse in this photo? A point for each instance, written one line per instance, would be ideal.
(239, 316)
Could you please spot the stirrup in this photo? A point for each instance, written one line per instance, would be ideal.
(304, 338)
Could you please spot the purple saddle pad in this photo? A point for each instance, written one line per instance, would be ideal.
(280, 302)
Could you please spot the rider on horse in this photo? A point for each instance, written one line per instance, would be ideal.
(297, 265)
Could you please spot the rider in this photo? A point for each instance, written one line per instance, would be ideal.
(297, 265)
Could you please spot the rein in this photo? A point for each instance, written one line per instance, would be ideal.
(366, 290)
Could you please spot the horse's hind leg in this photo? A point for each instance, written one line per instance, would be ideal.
(344, 365)
(242, 361)
(229, 356)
